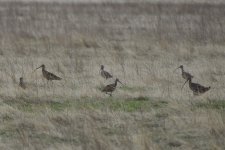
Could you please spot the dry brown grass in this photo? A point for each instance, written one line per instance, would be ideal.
(141, 44)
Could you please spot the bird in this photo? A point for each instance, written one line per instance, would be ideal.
(184, 74)
(111, 87)
(48, 75)
(104, 73)
(21, 83)
(196, 88)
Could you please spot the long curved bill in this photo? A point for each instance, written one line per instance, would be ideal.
(120, 82)
(176, 69)
(184, 84)
(36, 69)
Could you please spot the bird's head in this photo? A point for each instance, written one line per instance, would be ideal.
(181, 67)
(102, 67)
(117, 80)
(42, 66)
(21, 78)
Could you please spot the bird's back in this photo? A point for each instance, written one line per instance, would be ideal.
(105, 74)
(195, 87)
(22, 85)
(50, 76)
(204, 89)
(186, 75)
(198, 89)
(109, 88)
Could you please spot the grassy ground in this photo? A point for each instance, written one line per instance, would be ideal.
(139, 43)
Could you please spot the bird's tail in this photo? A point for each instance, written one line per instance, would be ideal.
(207, 88)
(58, 78)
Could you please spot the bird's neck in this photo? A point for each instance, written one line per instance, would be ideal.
(190, 81)
(115, 83)
(182, 69)
(43, 71)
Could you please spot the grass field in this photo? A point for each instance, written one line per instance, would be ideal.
(139, 43)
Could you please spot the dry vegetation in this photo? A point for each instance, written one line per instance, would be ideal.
(141, 44)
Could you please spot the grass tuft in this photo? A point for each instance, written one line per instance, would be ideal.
(58, 106)
(116, 104)
(211, 104)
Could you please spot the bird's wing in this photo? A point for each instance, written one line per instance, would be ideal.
(108, 87)
(53, 77)
(203, 89)
(198, 87)
(22, 85)
(107, 75)
(103, 74)
(187, 75)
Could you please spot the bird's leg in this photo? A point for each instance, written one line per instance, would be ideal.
(195, 93)
(52, 83)
(47, 84)
(42, 79)
(184, 84)
(107, 93)
(43, 82)
(53, 88)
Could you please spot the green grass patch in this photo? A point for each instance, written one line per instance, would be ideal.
(6, 133)
(36, 105)
(109, 103)
(140, 98)
(88, 104)
(127, 105)
(211, 104)
(48, 139)
(113, 130)
(21, 105)
(44, 138)
(6, 117)
(132, 89)
(162, 115)
(26, 107)
(58, 106)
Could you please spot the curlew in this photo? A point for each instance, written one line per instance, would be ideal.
(104, 73)
(184, 74)
(48, 75)
(196, 88)
(21, 83)
(111, 87)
